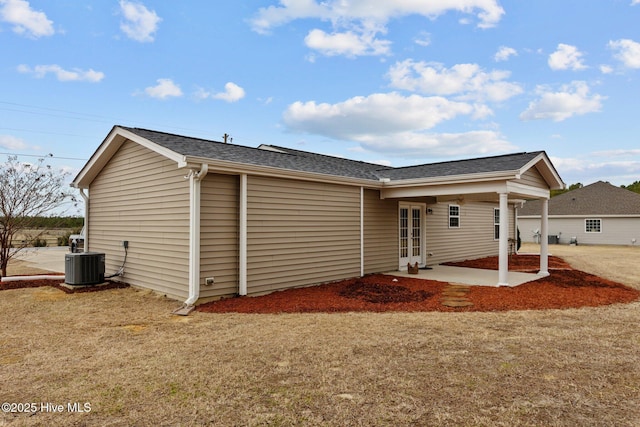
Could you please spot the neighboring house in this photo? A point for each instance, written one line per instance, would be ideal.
(206, 219)
(597, 214)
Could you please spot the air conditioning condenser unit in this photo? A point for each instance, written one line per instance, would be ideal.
(84, 268)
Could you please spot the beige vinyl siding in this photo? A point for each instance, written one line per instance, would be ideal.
(533, 178)
(473, 239)
(380, 233)
(300, 233)
(142, 197)
(614, 230)
(219, 235)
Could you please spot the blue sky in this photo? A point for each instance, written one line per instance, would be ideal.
(402, 82)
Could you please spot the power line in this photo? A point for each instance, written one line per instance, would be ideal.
(42, 155)
(74, 115)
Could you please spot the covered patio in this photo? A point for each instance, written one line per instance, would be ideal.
(469, 276)
(506, 183)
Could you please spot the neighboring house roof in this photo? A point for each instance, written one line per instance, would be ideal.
(599, 198)
(187, 150)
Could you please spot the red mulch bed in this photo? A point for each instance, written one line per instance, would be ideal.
(564, 288)
(525, 263)
(37, 283)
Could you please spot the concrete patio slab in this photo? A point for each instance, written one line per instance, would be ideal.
(468, 276)
(49, 258)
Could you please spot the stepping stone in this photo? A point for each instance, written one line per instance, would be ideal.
(454, 293)
(459, 287)
(455, 299)
(457, 303)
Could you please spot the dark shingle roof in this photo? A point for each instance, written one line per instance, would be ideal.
(284, 158)
(599, 198)
(296, 160)
(508, 162)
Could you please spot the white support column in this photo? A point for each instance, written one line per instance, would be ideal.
(361, 231)
(544, 242)
(242, 244)
(503, 247)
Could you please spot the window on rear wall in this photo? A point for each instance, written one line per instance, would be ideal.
(496, 223)
(592, 225)
(454, 216)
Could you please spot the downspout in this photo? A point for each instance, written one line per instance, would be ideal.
(195, 178)
(86, 219)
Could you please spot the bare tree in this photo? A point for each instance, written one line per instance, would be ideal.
(27, 191)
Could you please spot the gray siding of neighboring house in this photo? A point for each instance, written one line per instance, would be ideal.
(614, 230)
(219, 235)
(300, 233)
(473, 239)
(380, 233)
(142, 197)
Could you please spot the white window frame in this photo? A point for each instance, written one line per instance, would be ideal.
(496, 223)
(454, 216)
(594, 221)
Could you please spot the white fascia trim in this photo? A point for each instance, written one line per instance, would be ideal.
(169, 154)
(452, 179)
(110, 146)
(528, 190)
(444, 189)
(549, 174)
(225, 166)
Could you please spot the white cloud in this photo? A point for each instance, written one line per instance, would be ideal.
(24, 19)
(606, 69)
(376, 114)
(394, 124)
(423, 39)
(76, 74)
(618, 152)
(12, 143)
(164, 89)
(573, 99)
(356, 24)
(418, 144)
(596, 166)
(504, 53)
(232, 93)
(140, 23)
(467, 81)
(627, 51)
(566, 57)
(350, 43)
(634, 2)
(489, 12)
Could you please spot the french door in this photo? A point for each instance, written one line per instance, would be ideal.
(411, 234)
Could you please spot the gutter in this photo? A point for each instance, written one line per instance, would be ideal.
(195, 179)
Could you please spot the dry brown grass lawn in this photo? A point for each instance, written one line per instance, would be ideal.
(122, 352)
